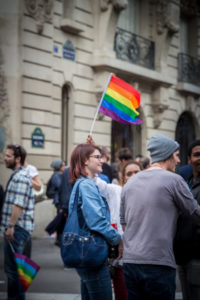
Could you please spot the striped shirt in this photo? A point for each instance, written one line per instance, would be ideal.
(19, 192)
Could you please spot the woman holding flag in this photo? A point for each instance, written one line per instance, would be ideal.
(94, 216)
(119, 101)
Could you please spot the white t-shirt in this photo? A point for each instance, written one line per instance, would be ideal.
(112, 193)
(32, 171)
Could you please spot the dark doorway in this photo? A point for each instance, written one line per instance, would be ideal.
(125, 136)
(65, 121)
(185, 134)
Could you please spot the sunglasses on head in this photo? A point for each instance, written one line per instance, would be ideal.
(17, 149)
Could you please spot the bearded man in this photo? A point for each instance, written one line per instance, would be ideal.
(17, 217)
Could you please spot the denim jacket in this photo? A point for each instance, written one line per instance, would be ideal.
(95, 209)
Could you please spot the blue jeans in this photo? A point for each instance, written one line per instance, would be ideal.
(95, 283)
(14, 288)
(149, 282)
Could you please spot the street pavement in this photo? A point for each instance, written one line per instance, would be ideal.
(53, 281)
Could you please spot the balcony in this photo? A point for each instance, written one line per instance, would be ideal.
(188, 69)
(134, 49)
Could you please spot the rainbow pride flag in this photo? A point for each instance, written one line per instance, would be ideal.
(120, 101)
(27, 269)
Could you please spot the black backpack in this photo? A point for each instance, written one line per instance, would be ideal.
(50, 190)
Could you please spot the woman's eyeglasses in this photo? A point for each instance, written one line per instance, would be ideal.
(99, 157)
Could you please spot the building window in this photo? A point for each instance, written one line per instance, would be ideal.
(128, 44)
(65, 122)
(188, 36)
(129, 17)
(188, 62)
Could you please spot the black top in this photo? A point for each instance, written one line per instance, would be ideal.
(187, 239)
(107, 171)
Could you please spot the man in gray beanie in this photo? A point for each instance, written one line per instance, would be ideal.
(161, 147)
(57, 164)
(150, 204)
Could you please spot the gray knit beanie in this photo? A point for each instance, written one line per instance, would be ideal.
(161, 147)
(56, 164)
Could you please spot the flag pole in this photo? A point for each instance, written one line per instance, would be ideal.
(91, 129)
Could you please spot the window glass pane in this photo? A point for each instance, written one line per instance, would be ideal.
(129, 17)
(184, 36)
(189, 35)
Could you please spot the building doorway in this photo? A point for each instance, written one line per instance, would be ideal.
(123, 135)
(185, 134)
(65, 122)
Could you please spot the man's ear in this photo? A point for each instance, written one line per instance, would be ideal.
(189, 159)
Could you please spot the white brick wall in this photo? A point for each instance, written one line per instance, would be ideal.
(39, 75)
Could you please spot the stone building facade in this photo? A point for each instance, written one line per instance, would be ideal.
(56, 56)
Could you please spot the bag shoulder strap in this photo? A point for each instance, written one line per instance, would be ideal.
(72, 223)
(75, 204)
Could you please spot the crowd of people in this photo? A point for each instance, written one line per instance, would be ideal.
(147, 213)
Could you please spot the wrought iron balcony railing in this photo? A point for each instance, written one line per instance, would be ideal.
(188, 69)
(133, 48)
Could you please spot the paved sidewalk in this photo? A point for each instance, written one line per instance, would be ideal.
(52, 282)
(45, 296)
(42, 296)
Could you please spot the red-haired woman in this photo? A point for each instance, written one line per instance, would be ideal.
(85, 163)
